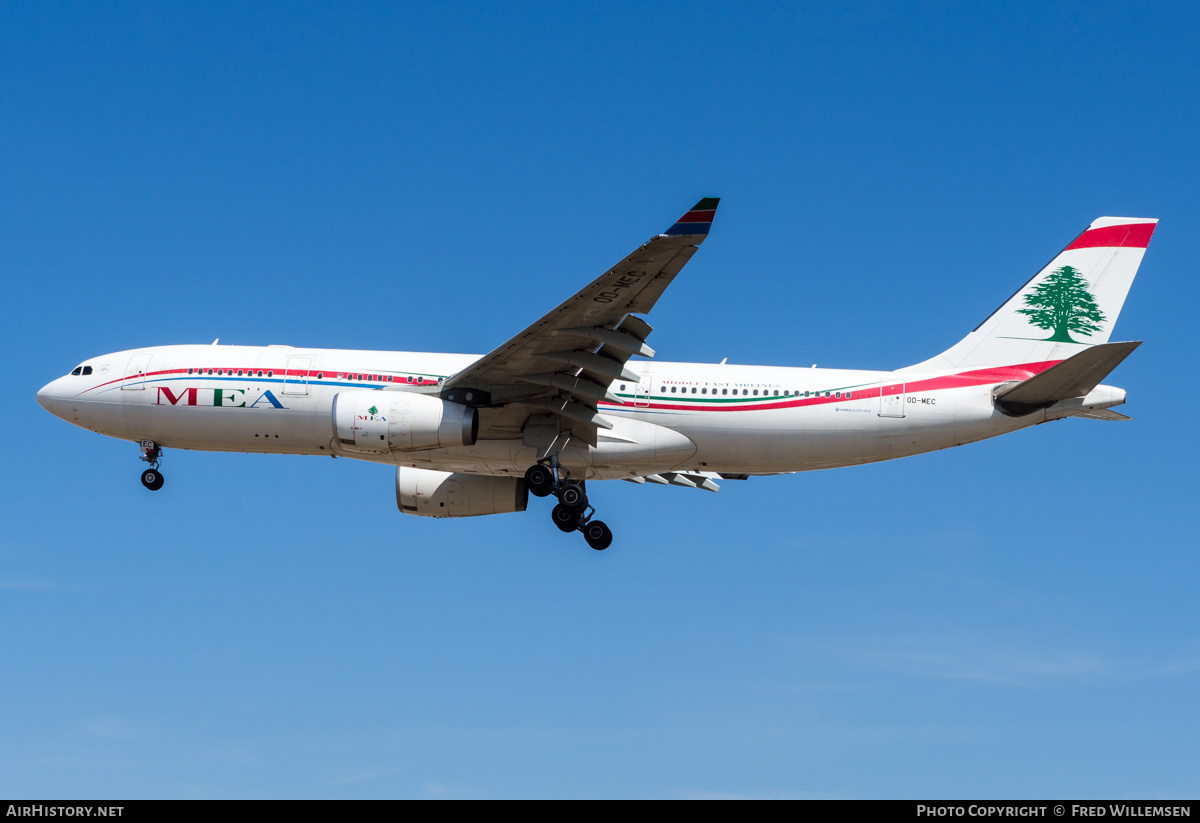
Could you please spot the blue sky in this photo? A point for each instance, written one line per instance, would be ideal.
(1016, 618)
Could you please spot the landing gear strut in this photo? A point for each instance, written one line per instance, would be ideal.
(151, 453)
(549, 477)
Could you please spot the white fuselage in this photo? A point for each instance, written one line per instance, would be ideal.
(701, 417)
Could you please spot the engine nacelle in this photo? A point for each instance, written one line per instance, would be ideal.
(378, 422)
(430, 493)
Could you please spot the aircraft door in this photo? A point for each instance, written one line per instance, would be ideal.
(295, 376)
(135, 373)
(644, 387)
(891, 400)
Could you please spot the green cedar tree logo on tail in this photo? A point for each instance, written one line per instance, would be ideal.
(1063, 303)
(372, 411)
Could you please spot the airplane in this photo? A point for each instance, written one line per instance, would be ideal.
(564, 402)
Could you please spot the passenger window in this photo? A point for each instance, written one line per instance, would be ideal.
(756, 392)
(704, 391)
(239, 372)
(693, 389)
(622, 387)
(724, 391)
(320, 375)
(270, 374)
(674, 389)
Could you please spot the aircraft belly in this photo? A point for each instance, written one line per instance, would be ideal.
(939, 421)
(632, 447)
(776, 440)
(929, 423)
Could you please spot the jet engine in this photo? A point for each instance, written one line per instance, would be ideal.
(429, 493)
(378, 422)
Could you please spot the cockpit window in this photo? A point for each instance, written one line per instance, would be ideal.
(87, 370)
(78, 371)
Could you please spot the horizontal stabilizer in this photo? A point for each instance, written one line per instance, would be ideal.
(1073, 377)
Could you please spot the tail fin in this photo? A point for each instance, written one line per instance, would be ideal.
(1072, 303)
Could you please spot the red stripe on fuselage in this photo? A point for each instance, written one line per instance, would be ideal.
(280, 374)
(975, 377)
(1128, 236)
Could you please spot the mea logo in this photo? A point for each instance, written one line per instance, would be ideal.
(226, 398)
(1063, 303)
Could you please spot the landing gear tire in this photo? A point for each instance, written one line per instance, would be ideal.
(539, 480)
(152, 479)
(564, 518)
(598, 535)
(572, 497)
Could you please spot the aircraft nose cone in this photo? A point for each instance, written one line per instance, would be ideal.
(50, 397)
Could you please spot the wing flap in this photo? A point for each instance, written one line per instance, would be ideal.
(687, 479)
(1103, 414)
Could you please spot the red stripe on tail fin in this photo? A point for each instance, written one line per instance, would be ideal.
(1129, 236)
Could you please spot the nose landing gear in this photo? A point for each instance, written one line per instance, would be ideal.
(548, 477)
(151, 453)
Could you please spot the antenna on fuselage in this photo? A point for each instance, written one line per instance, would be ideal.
(214, 342)
(723, 359)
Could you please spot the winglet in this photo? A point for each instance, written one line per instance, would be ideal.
(698, 219)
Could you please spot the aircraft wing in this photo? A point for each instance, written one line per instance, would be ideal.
(562, 363)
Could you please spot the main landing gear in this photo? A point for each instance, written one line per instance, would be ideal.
(548, 477)
(152, 478)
